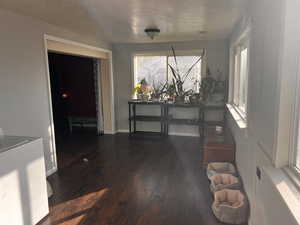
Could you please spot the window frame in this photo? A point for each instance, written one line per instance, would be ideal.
(235, 74)
(168, 54)
(295, 137)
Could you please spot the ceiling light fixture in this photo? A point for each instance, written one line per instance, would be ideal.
(152, 32)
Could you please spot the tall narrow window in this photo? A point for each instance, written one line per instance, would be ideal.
(240, 78)
(243, 80)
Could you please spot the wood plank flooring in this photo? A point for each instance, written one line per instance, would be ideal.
(139, 180)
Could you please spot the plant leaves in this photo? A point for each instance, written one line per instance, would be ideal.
(190, 69)
(175, 59)
(176, 76)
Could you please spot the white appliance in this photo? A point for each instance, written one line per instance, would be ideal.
(23, 188)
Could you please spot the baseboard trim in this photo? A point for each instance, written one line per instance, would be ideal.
(123, 131)
(51, 171)
(184, 134)
(170, 133)
(109, 132)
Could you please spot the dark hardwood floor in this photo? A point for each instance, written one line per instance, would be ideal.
(139, 180)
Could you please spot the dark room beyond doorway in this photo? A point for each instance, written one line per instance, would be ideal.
(74, 100)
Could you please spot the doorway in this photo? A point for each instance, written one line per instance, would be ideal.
(75, 98)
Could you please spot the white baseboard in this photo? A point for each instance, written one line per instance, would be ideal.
(170, 133)
(109, 132)
(123, 131)
(184, 134)
(51, 171)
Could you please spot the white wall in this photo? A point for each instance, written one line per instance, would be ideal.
(217, 58)
(24, 106)
(273, 62)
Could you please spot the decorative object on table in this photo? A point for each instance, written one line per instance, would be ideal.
(158, 91)
(230, 206)
(222, 181)
(142, 90)
(220, 167)
(178, 78)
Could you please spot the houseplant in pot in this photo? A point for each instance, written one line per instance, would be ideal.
(142, 90)
(208, 86)
(179, 78)
(157, 91)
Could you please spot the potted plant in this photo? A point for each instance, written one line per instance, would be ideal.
(178, 79)
(208, 86)
(170, 92)
(141, 90)
(157, 91)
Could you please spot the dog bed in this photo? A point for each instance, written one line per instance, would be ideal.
(220, 167)
(224, 181)
(230, 206)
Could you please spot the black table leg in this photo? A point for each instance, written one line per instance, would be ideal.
(134, 121)
(129, 119)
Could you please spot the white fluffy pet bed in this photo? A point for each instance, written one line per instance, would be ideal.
(220, 167)
(230, 206)
(224, 181)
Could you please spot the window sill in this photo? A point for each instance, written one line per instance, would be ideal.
(240, 121)
(287, 188)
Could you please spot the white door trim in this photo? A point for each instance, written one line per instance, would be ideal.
(51, 128)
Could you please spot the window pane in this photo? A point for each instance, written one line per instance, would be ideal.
(152, 68)
(236, 80)
(243, 80)
(184, 64)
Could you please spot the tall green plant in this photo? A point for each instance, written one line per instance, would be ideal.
(178, 79)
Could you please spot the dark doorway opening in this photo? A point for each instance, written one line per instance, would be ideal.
(73, 90)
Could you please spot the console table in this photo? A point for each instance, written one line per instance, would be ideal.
(166, 118)
(133, 117)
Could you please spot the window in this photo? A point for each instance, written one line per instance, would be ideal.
(156, 71)
(240, 77)
(296, 157)
(151, 68)
(184, 64)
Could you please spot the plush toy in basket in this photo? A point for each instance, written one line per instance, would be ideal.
(220, 167)
(230, 206)
(224, 181)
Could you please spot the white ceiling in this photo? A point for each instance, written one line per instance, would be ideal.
(124, 21)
